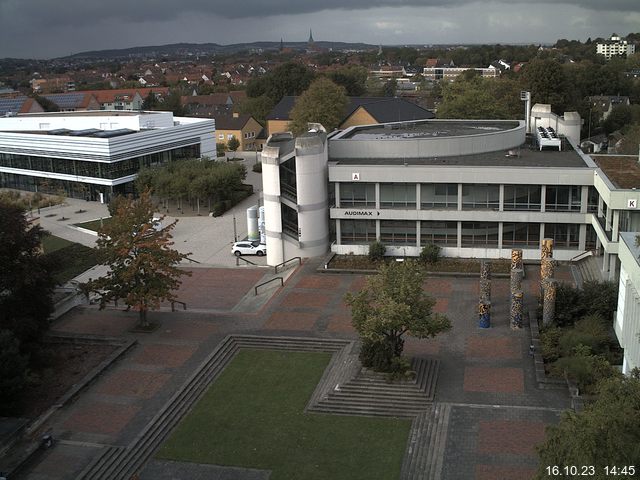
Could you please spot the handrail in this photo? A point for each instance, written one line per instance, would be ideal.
(244, 260)
(173, 305)
(275, 269)
(192, 260)
(586, 254)
(255, 289)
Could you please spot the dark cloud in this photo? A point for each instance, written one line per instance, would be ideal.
(45, 12)
(45, 29)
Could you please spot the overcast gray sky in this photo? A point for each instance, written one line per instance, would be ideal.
(46, 28)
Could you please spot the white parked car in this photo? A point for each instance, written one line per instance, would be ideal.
(249, 248)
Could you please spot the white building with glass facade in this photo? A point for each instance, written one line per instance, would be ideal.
(476, 188)
(95, 154)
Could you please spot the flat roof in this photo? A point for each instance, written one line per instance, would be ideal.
(428, 129)
(90, 113)
(524, 156)
(622, 170)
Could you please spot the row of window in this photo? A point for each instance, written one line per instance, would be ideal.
(473, 234)
(230, 135)
(474, 196)
(111, 170)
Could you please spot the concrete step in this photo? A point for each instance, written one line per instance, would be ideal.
(420, 428)
(101, 463)
(370, 411)
(390, 403)
(380, 391)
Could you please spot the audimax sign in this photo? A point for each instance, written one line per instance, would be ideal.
(360, 213)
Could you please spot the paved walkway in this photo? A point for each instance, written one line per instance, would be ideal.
(207, 239)
(486, 376)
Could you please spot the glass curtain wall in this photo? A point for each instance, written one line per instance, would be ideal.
(439, 196)
(357, 231)
(480, 197)
(398, 195)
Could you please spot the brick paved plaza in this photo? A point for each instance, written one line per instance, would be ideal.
(487, 377)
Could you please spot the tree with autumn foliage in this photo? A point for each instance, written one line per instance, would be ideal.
(143, 268)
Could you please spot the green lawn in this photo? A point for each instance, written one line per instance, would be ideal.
(51, 243)
(69, 258)
(93, 224)
(252, 416)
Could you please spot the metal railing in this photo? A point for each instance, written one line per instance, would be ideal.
(255, 289)
(299, 259)
(244, 260)
(173, 305)
(582, 255)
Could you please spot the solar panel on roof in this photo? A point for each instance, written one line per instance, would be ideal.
(59, 131)
(66, 100)
(11, 105)
(113, 133)
(84, 133)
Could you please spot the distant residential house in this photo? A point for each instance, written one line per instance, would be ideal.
(74, 101)
(359, 111)
(119, 99)
(18, 104)
(500, 65)
(604, 104)
(595, 144)
(243, 127)
(229, 99)
(410, 71)
(51, 85)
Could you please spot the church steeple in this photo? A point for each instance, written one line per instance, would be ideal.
(281, 45)
(310, 41)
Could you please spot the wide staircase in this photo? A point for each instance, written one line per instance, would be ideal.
(116, 462)
(372, 393)
(587, 269)
(423, 459)
(345, 388)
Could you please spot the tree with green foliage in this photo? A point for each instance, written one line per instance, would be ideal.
(595, 298)
(287, 79)
(376, 251)
(605, 434)
(324, 102)
(631, 140)
(46, 104)
(353, 78)
(150, 102)
(196, 180)
(389, 88)
(392, 304)
(258, 107)
(220, 149)
(620, 117)
(233, 144)
(143, 268)
(547, 82)
(13, 373)
(474, 97)
(26, 279)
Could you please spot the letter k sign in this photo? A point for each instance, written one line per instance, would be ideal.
(632, 203)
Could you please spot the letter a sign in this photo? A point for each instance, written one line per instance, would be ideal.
(355, 177)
